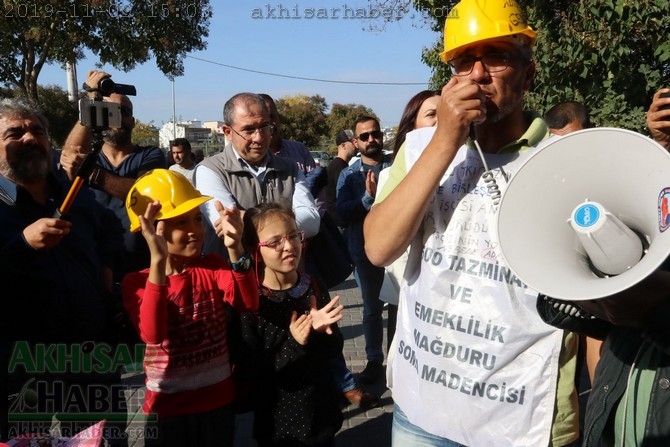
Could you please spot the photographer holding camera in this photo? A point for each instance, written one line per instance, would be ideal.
(118, 165)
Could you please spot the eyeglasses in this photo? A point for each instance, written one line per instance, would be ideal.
(264, 131)
(278, 244)
(492, 62)
(376, 134)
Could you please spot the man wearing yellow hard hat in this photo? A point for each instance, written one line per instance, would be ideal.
(472, 363)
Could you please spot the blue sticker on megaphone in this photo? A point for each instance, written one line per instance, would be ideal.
(586, 215)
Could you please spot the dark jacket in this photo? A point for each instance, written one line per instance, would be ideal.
(620, 350)
(354, 203)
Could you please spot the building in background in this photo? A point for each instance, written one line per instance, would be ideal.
(206, 136)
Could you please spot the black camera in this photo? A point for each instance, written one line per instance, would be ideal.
(107, 87)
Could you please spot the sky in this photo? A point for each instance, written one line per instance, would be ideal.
(343, 60)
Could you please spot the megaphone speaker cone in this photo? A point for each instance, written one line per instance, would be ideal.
(626, 174)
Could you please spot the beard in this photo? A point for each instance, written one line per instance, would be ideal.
(118, 136)
(29, 165)
(371, 149)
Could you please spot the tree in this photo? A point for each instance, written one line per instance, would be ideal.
(303, 118)
(61, 113)
(611, 55)
(145, 134)
(122, 33)
(342, 116)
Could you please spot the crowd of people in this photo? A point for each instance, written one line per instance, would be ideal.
(197, 270)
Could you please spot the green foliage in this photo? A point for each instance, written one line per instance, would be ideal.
(306, 119)
(122, 33)
(303, 118)
(611, 55)
(342, 116)
(61, 113)
(145, 134)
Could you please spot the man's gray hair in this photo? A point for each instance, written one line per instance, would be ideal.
(22, 108)
(242, 98)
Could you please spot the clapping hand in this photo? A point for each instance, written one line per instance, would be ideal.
(329, 314)
(371, 183)
(300, 327)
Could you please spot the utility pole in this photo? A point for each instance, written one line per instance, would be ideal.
(174, 114)
(72, 89)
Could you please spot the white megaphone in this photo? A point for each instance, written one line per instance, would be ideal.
(587, 215)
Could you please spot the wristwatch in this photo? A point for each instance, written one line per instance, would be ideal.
(243, 263)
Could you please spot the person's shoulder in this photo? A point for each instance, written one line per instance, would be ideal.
(355, 166)
(283, 164)
(336, 164)
(147, 149)
(296, 145)
(142, 153)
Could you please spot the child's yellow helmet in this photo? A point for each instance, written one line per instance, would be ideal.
(473, 21)
(175, 193)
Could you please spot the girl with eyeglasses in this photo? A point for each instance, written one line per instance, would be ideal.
(287, 345)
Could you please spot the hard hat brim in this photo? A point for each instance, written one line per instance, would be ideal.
(178, 211)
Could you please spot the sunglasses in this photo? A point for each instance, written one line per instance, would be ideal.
(376, 134)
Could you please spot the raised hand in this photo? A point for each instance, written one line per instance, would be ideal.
(152, 233)
(371, 184)
(300, 327)
(658, 119)
(229, 226)
(71, 159)
(329, 314)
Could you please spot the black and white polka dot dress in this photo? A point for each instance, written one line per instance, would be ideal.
(297, 401)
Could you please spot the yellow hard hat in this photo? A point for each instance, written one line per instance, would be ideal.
(473, 21)
(175, 193)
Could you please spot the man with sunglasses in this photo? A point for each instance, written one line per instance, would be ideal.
(118, 165)
(247, 173)
(355, 191)
(472, 363)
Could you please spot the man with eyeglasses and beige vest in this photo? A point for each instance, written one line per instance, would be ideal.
(246, 172)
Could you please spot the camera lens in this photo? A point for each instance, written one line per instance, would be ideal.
(107, 87)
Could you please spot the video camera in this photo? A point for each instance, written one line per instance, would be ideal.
(102, 115)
